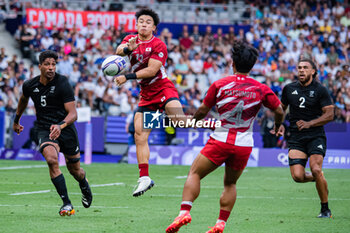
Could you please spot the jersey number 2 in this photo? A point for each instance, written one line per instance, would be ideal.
(302, 101)
(43, 100)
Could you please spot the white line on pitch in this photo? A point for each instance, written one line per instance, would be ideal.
(22, 167)
(51, 206)
(47, 191)
(34, 192)
(103, 185)
(180, 177)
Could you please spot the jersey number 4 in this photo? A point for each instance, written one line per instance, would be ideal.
(302, 101)
(43, 100)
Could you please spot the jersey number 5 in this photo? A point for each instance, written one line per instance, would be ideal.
(43, 100)
(302, 101)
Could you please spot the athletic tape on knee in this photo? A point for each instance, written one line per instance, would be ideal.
(297, 161)
(73, 160)
(45, 145)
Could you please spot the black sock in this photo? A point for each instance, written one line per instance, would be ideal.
(83, 183)
(324, 206)
(61, 188)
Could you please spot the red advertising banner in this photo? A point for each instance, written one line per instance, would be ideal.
(80, 18)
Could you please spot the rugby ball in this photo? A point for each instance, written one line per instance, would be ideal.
(113, 65)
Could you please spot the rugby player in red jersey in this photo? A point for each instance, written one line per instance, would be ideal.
(147, 55)
(238, 99)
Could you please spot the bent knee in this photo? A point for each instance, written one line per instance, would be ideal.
(298, 178)
(316, 172)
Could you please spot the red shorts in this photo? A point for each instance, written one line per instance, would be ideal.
(157, 98)
(235, 157)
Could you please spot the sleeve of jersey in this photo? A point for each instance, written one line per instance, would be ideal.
(160, 53)
(284, 98)
(210, 98)
(270, 100)
(25, 89)
(67, 92)
(325, 98)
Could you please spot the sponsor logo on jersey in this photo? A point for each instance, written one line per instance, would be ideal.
(52, 90)
(36, 90)
(295, 92)
(161, 54)
(77, 149)
(149, 49)
(320, 146)
(312, 94)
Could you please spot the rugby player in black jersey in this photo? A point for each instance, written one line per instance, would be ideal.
(54, 103)
(311, 107)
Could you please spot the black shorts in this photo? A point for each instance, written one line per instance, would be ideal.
(68, 140)
(308, 143)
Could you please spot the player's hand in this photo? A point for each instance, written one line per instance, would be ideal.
(120, 80)
(303, 125)
(55, 132)
(278, 131)
(132, 45)
(17, 128)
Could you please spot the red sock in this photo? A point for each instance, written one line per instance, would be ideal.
(224, 214)
(186, 205)
(143, 169)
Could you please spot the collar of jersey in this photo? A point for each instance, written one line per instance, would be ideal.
(146, 41)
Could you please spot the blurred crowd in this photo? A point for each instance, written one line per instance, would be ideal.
(282, 31)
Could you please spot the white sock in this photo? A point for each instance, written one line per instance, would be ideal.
(219, 220)
(186, 203)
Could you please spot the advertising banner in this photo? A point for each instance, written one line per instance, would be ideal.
(179, 155)
(79, 19)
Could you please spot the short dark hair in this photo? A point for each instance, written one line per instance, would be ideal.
(47, 54)
(150, 12)
(244, 56)
(311, 62)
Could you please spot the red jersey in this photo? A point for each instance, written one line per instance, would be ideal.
(156, 49)
(238, 99)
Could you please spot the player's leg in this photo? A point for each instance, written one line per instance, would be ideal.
(201, 167)
(50, 152)
(317, 150)
(297, 163)
(73, 166)
(142, 153)
(316, 162)
(235, 165)
(69, 143)
(227, 199)
(173, 109)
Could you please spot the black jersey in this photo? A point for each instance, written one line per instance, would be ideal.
(49, 100)
(305, 103)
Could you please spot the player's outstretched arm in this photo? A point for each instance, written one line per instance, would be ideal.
(279, 115)
(327, 116)
(22, 104)
(149, 72)
(127, 48)
(201, 112)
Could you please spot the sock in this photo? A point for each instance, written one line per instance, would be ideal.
(61, 188)
(324, 206)
(143, 169)
(185, 206)
(223, 216)
(83, 183)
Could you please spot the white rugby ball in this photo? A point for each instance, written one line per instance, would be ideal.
(113, 65)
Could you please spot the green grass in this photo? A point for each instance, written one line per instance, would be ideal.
(268, 201)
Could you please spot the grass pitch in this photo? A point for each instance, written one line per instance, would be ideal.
(268, 201)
